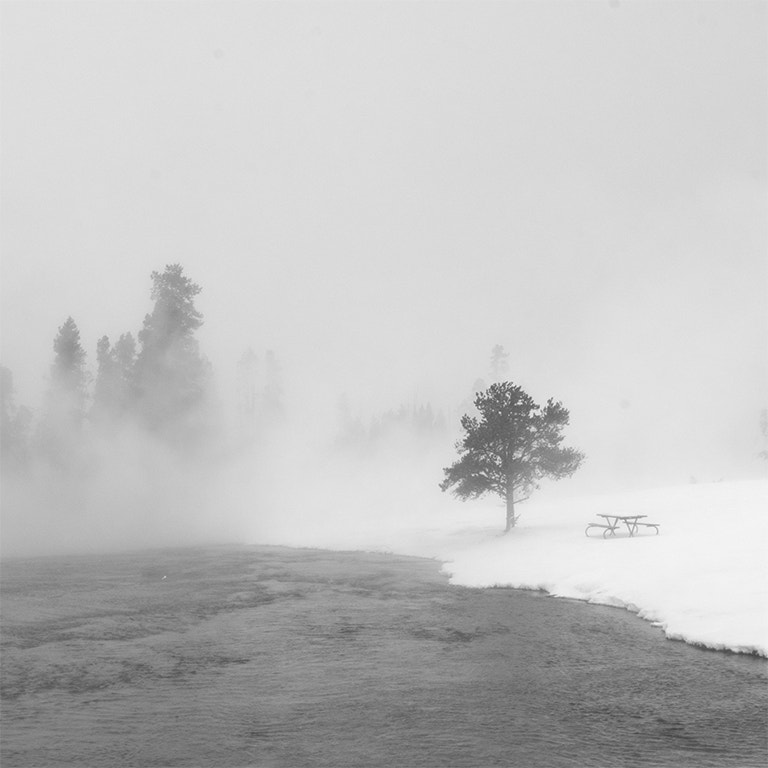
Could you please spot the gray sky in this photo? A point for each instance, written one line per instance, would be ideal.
(383, 191)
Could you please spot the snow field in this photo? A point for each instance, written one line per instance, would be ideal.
(703, 579)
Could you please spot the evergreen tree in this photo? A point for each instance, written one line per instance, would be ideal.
(171, 376)
(113, 390)
(499, 363)
(103, 389)
(68, 376)
(15, 421)
(124, 355)
(58, 433)
(511, 446)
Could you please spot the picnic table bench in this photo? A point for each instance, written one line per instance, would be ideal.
(612, 522)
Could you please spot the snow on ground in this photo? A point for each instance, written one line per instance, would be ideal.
(703, 579)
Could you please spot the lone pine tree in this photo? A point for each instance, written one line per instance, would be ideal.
(512, 445)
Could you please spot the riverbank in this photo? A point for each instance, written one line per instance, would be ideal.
(703, 579)
(271, 656)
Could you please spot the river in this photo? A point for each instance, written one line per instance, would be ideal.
(268, 656)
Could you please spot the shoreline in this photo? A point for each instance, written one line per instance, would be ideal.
(700, 582)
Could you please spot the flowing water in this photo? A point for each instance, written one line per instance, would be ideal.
(279, 657)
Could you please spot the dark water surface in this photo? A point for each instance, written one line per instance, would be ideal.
(280, 657)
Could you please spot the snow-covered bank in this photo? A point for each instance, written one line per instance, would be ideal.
(703, 579)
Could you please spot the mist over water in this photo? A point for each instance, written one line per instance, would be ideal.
(326, 466)
(258, 259)
(132, 490)
(378, 195)
(299, 485)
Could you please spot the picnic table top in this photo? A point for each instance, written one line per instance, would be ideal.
(623, 517)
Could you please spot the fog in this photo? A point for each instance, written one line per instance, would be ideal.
(379, 193)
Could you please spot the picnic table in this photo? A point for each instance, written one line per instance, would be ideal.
(612, 522)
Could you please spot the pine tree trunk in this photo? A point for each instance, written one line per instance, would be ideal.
(510, 508)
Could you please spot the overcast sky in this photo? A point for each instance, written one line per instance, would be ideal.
(381, 192)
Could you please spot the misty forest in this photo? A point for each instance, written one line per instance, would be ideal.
(142, 421)
(359, 360)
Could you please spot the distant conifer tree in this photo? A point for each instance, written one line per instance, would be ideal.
(113, 390)
(15, 422)
(171, 376)
(68, 377)
(58, 431)
(499, 363)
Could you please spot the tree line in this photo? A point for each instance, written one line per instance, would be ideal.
(158, 381)
(420, 423)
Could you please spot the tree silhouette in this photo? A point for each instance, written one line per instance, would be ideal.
(57, 436)
(171, 376)
(15, 421)
(511, 446)
(68, 377)
(499, 363)
(113, 391)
